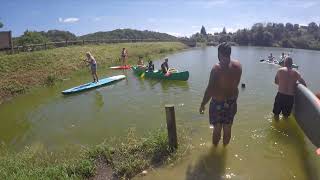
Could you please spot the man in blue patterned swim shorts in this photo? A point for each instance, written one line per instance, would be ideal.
(223, 91)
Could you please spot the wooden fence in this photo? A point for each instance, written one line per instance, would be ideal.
(50, 45)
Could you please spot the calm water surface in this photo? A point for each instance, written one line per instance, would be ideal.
(259, 149)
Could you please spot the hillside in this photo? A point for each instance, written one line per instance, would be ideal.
(127, 34)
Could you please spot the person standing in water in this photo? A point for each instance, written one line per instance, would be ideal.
(223, 91)
(124, 56)
(286, 79)
(93, 66)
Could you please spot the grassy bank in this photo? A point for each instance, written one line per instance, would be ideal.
(126, 158)
(20, 72)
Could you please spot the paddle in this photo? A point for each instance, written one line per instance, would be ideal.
(261, 60)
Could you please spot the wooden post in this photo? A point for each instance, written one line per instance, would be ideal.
(45, 46)
(171, 126)
(82, 42)
(66, 42)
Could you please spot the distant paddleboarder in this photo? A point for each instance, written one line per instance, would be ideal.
(93, 66)
(223, 92)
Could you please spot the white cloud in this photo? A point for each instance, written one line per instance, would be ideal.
(175, 34)
(97, 19)
(68, 20)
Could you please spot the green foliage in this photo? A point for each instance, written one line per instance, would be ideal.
(127, 157)
(35, 37)
(57, 35)
(128, 34)
(269, 34)
(1, 25)
(32, 37)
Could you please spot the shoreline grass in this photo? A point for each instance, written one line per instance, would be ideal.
(126, 157)
(25, 71)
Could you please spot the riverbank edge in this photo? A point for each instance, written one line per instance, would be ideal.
(114, 158)
(22, 76)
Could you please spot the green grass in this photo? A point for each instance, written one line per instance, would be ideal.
(23, 71)
(127, 157)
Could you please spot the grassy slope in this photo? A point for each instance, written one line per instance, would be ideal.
(22, 71)
(127, 158)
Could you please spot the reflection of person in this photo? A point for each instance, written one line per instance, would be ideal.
(286, 79)
(124, 56)
(93, 65)
(223, 91)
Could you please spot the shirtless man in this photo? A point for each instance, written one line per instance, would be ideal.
(223, 91)
(286, 79)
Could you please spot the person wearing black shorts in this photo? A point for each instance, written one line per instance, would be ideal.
(286, 79)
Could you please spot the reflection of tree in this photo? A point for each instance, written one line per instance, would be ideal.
(98, 100)
(209, 166)
(289, 134)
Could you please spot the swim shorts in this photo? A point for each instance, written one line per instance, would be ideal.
(283, 103)
(222, 112)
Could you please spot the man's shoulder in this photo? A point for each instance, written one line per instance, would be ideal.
(236, 64)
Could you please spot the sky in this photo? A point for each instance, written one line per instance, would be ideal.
(175, 17)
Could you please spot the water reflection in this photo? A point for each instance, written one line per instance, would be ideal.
(288, 141)
(211, 165)
(98, 100)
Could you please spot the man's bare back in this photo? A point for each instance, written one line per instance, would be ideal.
(225, 81)
(287, 78)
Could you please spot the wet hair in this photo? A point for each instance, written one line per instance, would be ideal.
(225, 49)
(288, 62)
(318, 95)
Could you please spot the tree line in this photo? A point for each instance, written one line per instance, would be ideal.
(36, 37)
(269, 34)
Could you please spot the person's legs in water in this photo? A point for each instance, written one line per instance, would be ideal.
(216, 134)
(226, 133)
(277, 107)
(287, 106)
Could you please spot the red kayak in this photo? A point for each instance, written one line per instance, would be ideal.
(121, 67)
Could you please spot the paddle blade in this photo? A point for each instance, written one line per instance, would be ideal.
(142, 75)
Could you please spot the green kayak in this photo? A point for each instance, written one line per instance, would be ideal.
(180, 76)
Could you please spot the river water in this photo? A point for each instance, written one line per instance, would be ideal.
(260, 148)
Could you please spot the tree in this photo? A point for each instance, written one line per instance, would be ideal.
(1, 25)
(289, 27)
(203, 31)
(296, 27)
(32, 37)
(312, 27)
(56, 35)
(224, 30)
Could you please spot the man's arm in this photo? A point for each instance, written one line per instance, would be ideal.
(301, 80)
(276, 79)
(208, 92)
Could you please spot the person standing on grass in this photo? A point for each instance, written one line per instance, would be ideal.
(93, 66)
(286, 79)
(223, 91)
(124, 56)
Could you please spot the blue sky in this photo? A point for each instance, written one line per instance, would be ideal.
(176, 17)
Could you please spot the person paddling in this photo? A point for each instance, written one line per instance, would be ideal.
(93, 66)
(223, 91)
(165, 66)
